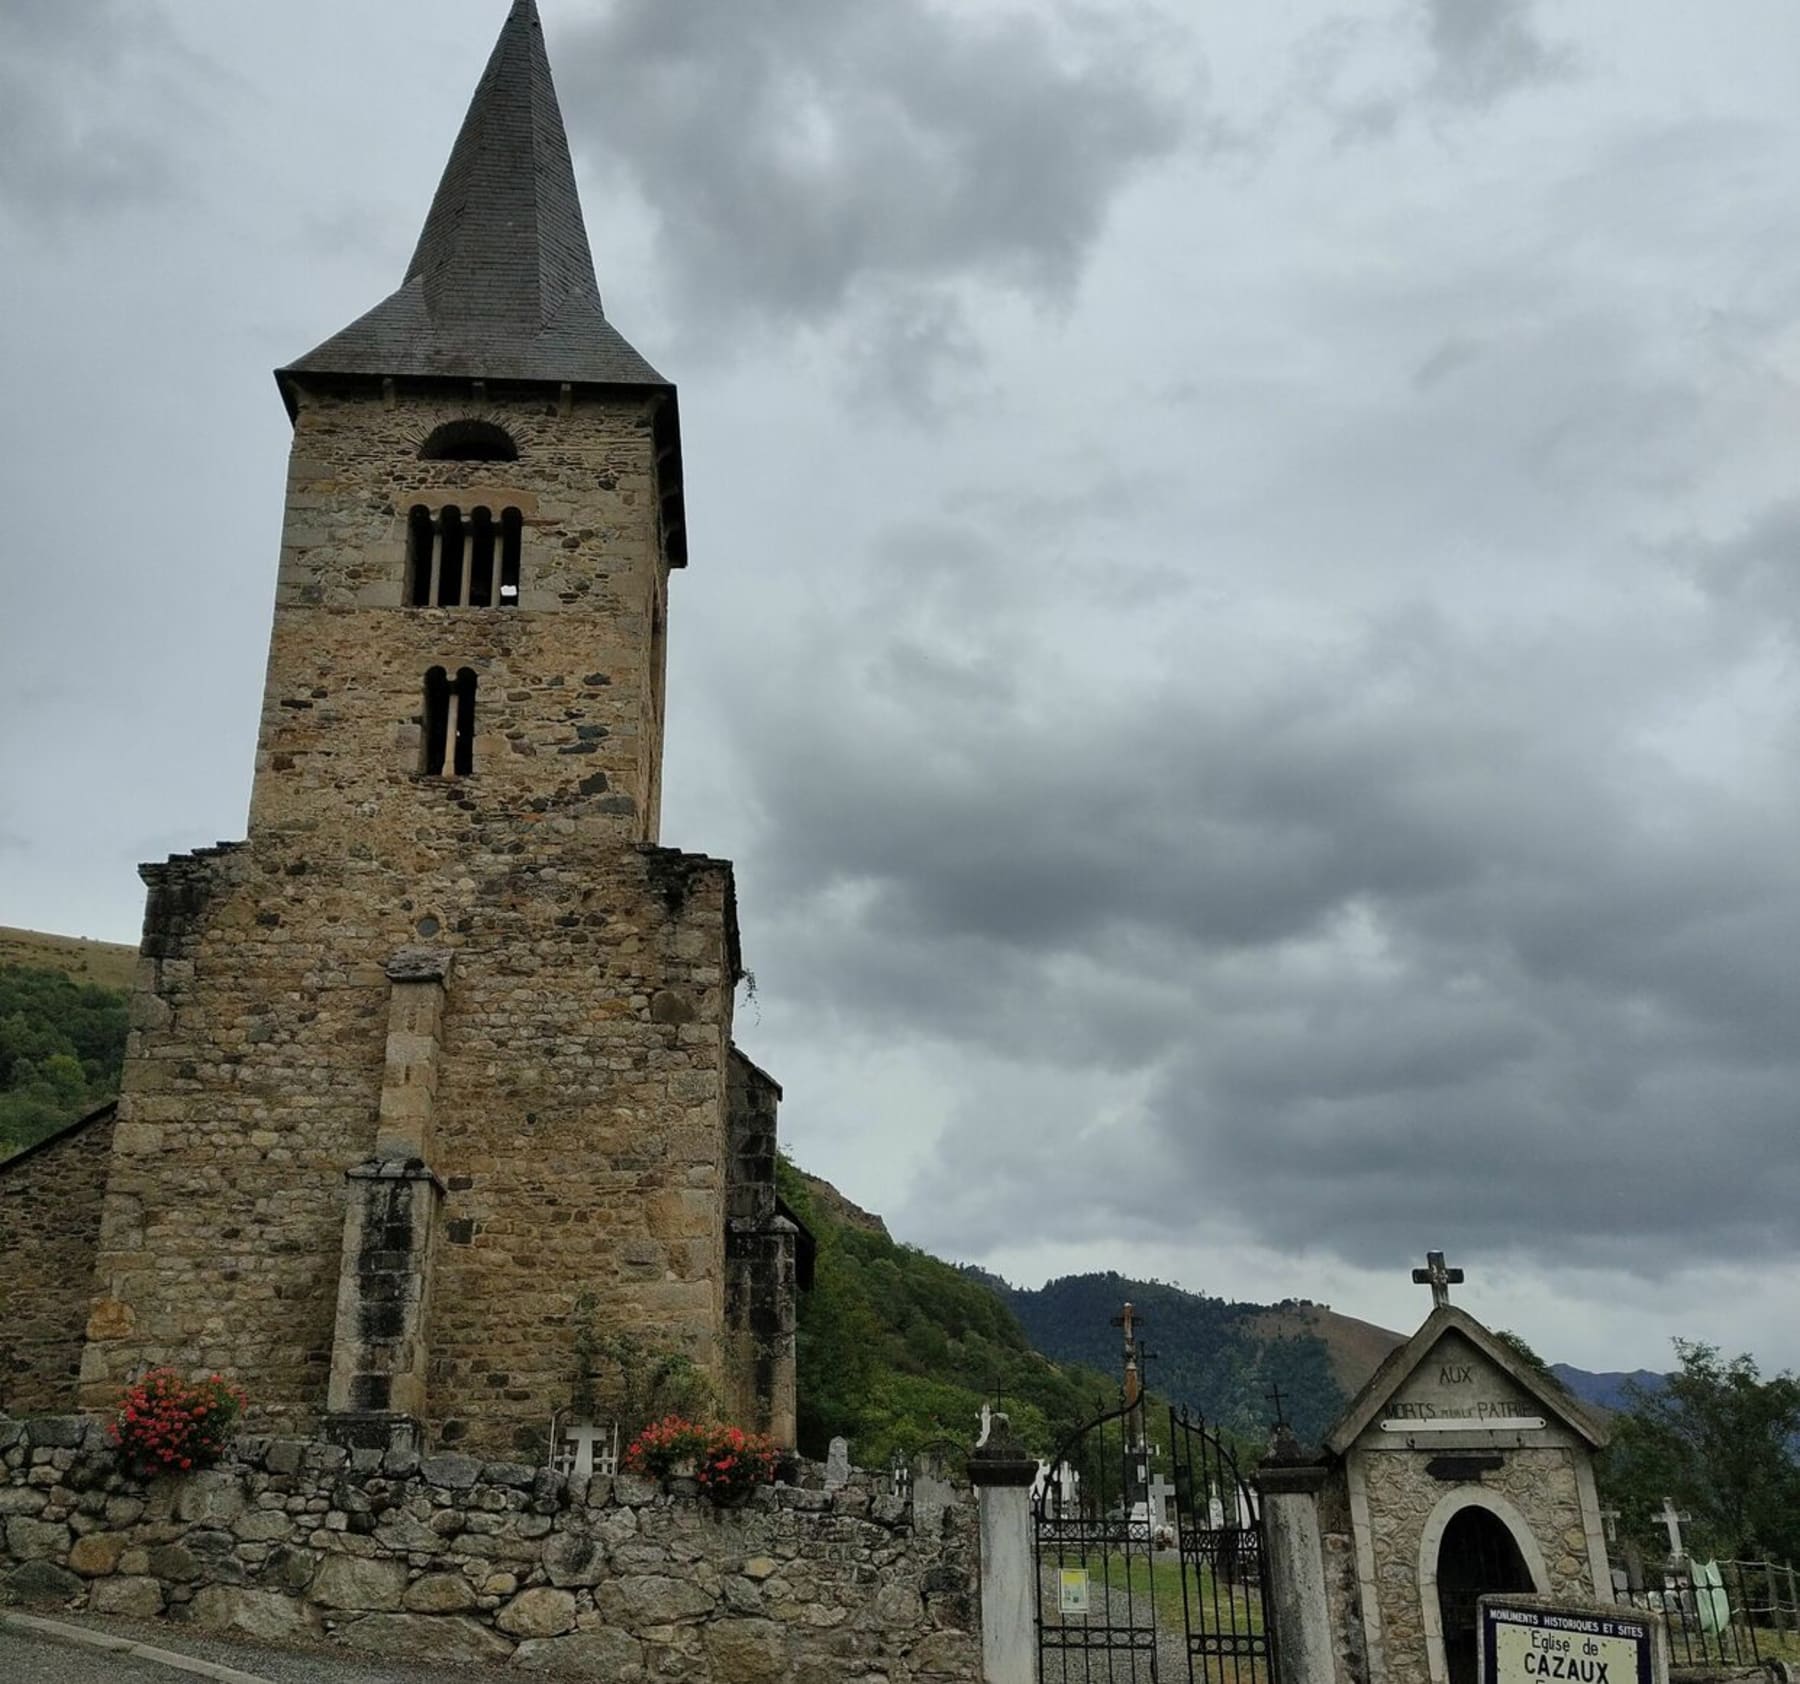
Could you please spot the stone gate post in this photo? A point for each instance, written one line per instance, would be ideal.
(1288, 1483)
(1002, 1475)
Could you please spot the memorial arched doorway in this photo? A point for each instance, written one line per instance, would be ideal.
(1477, 1556)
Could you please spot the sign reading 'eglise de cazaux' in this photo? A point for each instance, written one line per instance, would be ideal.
(1521, 1644)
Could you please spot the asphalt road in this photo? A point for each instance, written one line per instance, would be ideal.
(26, 1658)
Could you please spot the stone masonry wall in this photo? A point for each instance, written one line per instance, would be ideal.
(453, 1561)
(1540, 1484)
(568, 705)
(579, 1115)
(761, 1294)
(1343, 1596)
(49, 1228)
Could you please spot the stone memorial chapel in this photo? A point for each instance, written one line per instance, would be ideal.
(444, 1049)
(1459, 1470)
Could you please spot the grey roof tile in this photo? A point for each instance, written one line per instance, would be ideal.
(502, 284)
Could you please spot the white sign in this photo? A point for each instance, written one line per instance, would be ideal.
(1468, 1424)
(1523, 1645)
(1072, 1591)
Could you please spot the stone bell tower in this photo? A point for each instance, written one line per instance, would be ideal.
(443, 1050)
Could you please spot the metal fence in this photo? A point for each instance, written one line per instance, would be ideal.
(1742, 1613)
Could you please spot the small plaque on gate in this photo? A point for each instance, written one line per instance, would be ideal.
(1072, 1591)
(1529, 1639)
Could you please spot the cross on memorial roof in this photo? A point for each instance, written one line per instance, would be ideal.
(1438, 1277)
(1274, 1396)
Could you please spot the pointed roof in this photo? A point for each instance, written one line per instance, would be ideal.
(1405, 1359)
(502, 284)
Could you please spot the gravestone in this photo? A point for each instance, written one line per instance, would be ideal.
(932, 1494)
(837, 1465)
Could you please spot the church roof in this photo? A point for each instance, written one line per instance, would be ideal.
(1405, 1359)
(502, 284)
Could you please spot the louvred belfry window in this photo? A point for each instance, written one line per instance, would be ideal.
(455, 560)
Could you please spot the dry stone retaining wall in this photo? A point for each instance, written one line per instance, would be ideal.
(452, 1560)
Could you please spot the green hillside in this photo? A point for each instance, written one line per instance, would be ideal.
(61, 1045)
(898, 1350)
(1217, 1357)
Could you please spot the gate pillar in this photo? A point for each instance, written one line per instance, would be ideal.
(1002, 1475)
(1288, 1484)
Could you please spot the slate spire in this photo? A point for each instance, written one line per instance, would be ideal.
(502, 283)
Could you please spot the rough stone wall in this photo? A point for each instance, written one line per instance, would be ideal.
(49, 1228)
(760, 1265)
(568, 713)
(1343, 1596)
(1539, 1483)
(579, 1112)
(457, 1562)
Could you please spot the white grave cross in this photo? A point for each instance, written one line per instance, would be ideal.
(587, 1450)
(1159, 1492)
(1671, 1517)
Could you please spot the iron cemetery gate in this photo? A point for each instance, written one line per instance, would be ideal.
(1147, 1580)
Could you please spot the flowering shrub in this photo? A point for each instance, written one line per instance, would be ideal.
(728, 1462)
(166, 1424)
(664, 1443)
(734, 1463)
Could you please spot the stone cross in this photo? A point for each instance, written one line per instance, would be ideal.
(1438, 1278)
(1671, 1517)
(1159, 1491)
(837, 1465)
(584, 1438)
(1611, 1519)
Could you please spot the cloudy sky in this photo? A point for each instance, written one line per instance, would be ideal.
(1242, 628)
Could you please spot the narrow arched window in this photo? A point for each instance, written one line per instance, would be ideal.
(469, 441)
(481, 560)
(450, 558)
(421, 548)
(463, 722)
(449, 724)
(436, 722)
(512, 533)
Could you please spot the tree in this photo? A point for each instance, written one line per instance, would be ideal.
(1724, 1443)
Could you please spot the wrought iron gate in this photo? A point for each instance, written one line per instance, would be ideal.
(1147, 1579)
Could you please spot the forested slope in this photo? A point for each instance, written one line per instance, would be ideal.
(61, 1045)
(1210, 1353)
(898, 1350)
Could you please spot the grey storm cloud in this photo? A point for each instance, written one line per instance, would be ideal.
(1484, 49)
(80, 87)
(794, 150)
(1467, 56)
(1421, 932)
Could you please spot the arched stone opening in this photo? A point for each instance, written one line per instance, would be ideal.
(1474, 1544)
(469, 441)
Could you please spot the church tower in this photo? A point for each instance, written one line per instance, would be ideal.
(432, 1076)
